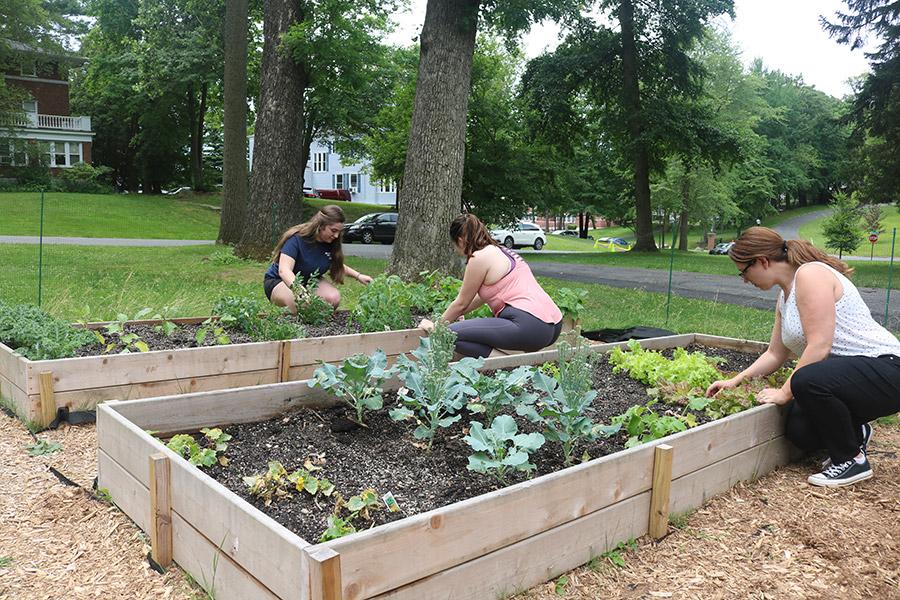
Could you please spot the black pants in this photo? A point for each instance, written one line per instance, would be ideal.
(834, 397)
(511, 329)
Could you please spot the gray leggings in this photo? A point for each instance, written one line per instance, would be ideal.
(512, 329)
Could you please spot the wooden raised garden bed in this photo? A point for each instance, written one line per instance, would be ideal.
(38, 388)
(485, 547)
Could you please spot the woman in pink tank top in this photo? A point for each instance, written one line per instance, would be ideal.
(525, 317)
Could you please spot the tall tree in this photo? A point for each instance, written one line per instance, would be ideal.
(234, 167)
(841, 228)
(431, 194)
(275, 182)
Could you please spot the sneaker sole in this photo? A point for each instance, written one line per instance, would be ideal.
(822, 482)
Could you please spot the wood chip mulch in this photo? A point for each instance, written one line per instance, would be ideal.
(774, 538)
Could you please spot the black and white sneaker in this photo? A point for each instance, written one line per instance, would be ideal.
(842, 474)
(866, 436)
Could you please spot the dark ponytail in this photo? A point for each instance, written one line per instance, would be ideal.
(475, 235)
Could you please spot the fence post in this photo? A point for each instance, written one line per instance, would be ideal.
(41, 251)
(887, 301)
(659, 495)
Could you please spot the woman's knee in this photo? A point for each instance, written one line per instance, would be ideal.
(803, 379)
(329, 294)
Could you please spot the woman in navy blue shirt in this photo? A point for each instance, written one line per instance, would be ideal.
(310, 250)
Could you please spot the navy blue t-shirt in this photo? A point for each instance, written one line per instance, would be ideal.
(309, 257)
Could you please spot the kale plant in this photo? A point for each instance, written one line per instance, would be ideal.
(357, 381)
(501, 448)
(435, 390)
(36, 335)
(562, 408)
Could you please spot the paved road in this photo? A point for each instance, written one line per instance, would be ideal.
(790, 229)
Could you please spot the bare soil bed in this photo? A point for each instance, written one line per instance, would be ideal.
(386, 457)
(185, 336)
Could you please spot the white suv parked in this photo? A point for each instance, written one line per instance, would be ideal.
(522, 234)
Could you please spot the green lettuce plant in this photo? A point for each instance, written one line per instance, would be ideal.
(650, 367)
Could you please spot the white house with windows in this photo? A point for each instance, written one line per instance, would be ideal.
(327, 170)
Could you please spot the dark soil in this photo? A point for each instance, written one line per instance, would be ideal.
(185, 336)
(385, 456)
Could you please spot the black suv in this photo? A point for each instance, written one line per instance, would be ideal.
(375, 227)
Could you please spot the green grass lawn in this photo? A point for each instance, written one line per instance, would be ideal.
(188, 281)
(813, 232)
(110, 215)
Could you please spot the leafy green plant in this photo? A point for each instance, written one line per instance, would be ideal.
(260, 320)
(643, 424)
(5, 561)
(36, 335)
(165, 326)
(43, 448)
(562, 407)
(434, 390)
(357, 381)
(727, 402)
(337, 528)
(214, 440)
(500, 390)
(358, 507)
(311, 308)
(276, 482)
(615, 557)
(648, 366)
(212, 328)
(500, 448)
(128, 341)
(570, 302)
(384, 305)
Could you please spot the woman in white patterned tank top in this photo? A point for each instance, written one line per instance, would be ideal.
(848, 367)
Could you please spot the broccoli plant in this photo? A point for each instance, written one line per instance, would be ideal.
(501, 448)
(566, 398)
(434, 390)
(504, 388)
(357, 381)
(311, 308)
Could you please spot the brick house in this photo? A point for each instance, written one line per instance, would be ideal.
(64, 139)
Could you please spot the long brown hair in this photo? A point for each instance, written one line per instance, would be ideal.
(472, 230)
(758, 242)
(327, 215)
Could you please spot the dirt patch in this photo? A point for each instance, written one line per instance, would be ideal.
(185, 336)
(386, 457)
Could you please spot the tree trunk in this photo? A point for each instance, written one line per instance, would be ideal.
(631, 100)
(275, 183)
(234, 154)
(432, 179)
(196, 115)
(683, 230)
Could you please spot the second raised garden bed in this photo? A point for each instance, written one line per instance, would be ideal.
(488, 546)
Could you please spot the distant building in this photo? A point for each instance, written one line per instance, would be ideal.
(63, 139)
(326, 170)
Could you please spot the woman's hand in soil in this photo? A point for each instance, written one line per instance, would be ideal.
(773, 396)
(722, 384)
(364, 279)
(426, 325)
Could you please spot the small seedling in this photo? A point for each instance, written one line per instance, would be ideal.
(559, 586)
(43, 448)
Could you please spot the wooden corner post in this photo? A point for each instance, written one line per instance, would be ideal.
(284, 362)
(48, 399)
(160, 510)
(659, 495)
(324, 574)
